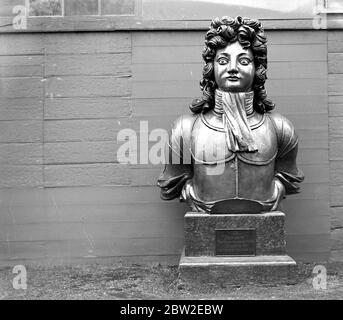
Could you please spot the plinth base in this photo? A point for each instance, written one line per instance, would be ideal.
(267, 270)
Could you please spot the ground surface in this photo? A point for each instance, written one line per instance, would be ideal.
(96, 281)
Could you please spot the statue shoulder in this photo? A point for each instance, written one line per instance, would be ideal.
(286, 134)
(182, 126)
(282, 124)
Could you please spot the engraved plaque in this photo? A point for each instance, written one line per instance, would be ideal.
(236, 242)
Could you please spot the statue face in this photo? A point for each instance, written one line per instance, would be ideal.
(234, 68)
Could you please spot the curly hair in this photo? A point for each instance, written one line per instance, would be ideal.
(250, 34)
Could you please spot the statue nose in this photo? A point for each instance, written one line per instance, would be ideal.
(232, 67)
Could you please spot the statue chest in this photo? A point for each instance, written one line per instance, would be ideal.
(208, 143)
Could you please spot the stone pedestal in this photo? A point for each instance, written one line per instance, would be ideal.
(236, 249)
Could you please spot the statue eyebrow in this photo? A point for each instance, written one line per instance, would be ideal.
(223, 54)
(244, 54)
(228, 55)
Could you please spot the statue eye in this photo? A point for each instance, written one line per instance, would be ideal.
(244, 61)
(222, 61)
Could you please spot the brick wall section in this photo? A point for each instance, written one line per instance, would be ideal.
(335, 63)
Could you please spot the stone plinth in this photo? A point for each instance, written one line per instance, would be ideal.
(271, 270)
(200, 231)
(236, 249)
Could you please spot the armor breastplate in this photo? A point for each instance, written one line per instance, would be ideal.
(221, 174)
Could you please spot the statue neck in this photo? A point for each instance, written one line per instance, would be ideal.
(245, 99)
(234, 110)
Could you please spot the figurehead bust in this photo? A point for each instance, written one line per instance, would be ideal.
(248, 35)
(232, 154)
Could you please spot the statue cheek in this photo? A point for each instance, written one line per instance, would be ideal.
(220, 71)
(249, 74)
(252, 72)
(248, 70)
(220, 75)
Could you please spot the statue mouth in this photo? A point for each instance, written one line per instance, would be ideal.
(233, 78)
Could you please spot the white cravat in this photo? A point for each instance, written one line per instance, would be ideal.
(235, 107)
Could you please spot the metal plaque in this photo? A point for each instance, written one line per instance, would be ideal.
(236, 242)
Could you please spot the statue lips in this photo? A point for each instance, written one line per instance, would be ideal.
(233, 78)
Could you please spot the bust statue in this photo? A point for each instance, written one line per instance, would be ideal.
(232, 128)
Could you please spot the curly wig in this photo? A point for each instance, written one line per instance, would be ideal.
(250, 34)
